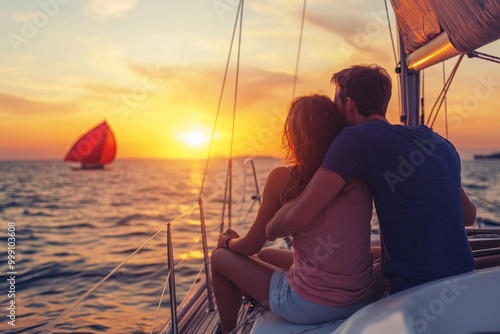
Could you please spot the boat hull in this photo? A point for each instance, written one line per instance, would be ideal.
(473, 298)
(458, 304)
(466, 303)
(93, 166)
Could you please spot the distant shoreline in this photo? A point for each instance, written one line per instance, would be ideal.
(147, 159)
(469, 158)
(487, 156)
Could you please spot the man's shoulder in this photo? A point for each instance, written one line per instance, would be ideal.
(371, 125)
(366, 130)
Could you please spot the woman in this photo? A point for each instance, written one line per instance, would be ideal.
(328, 276)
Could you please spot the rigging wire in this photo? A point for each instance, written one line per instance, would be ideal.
(113, 271)
(299, 49)
(161, 300)
(228, 179)
(390, 32)
(240, 15)
(396, 61)
(228, 60)
(205, 172)
(484, 56)
(442, 94)
(485, 200)
(98, 284)
(422, 99)
(445, 103)
(235, 102)
(256, 197)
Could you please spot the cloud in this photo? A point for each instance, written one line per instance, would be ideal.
(103, 89)
(23, 106)
(351, 31)
(202, 86)
(186, 80)
(155, 71)
(23, 16)
(101, 10)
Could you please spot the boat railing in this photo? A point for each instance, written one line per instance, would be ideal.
(202, 286)
(206, 286)
(171, 282)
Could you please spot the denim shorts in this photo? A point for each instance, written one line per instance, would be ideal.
(289, 305)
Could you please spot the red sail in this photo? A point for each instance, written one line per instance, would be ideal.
(97, 146)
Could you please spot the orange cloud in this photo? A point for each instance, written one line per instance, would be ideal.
(21, 105)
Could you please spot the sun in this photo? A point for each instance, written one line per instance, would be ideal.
(195, 138)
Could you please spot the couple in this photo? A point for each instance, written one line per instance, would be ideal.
(324, 200)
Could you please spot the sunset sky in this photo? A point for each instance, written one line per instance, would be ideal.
(154, 70)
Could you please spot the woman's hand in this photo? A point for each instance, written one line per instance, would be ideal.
(225, 236)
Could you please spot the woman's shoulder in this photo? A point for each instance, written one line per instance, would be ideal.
(276, 183)
(279, 173)
(278, 178)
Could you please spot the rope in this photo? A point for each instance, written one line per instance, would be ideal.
(395, 55)
(313, 328)
(205, 172)
(445, 103)
(422, 99)
(224, 200)
(113, 271)
(247, 213)
(390, 32)
(299, 49)
(251, 318)
(443, 92)
(161, 300)
(85, 295)
(486, 201)
(96, 286)
(256, 197)
(484, 56)
(195, 281)
(235, 102)
(188, 253)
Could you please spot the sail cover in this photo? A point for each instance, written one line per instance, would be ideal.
(469, 24)
(97, 146)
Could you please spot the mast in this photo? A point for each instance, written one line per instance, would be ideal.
(410, 92)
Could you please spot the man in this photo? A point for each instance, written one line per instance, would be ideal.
(413, 174)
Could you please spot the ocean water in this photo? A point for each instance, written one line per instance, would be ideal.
(73, 227)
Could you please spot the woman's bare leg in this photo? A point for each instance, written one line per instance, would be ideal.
(281, 258)
(233, 272)
(376, 253)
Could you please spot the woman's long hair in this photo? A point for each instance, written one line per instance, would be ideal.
(311, 124)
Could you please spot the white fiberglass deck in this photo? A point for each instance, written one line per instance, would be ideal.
(468, 303)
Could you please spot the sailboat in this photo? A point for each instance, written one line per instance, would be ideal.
(430, 31)
(94, 149)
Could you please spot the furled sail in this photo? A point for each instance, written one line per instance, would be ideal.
(452, 27)
(95, 148)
